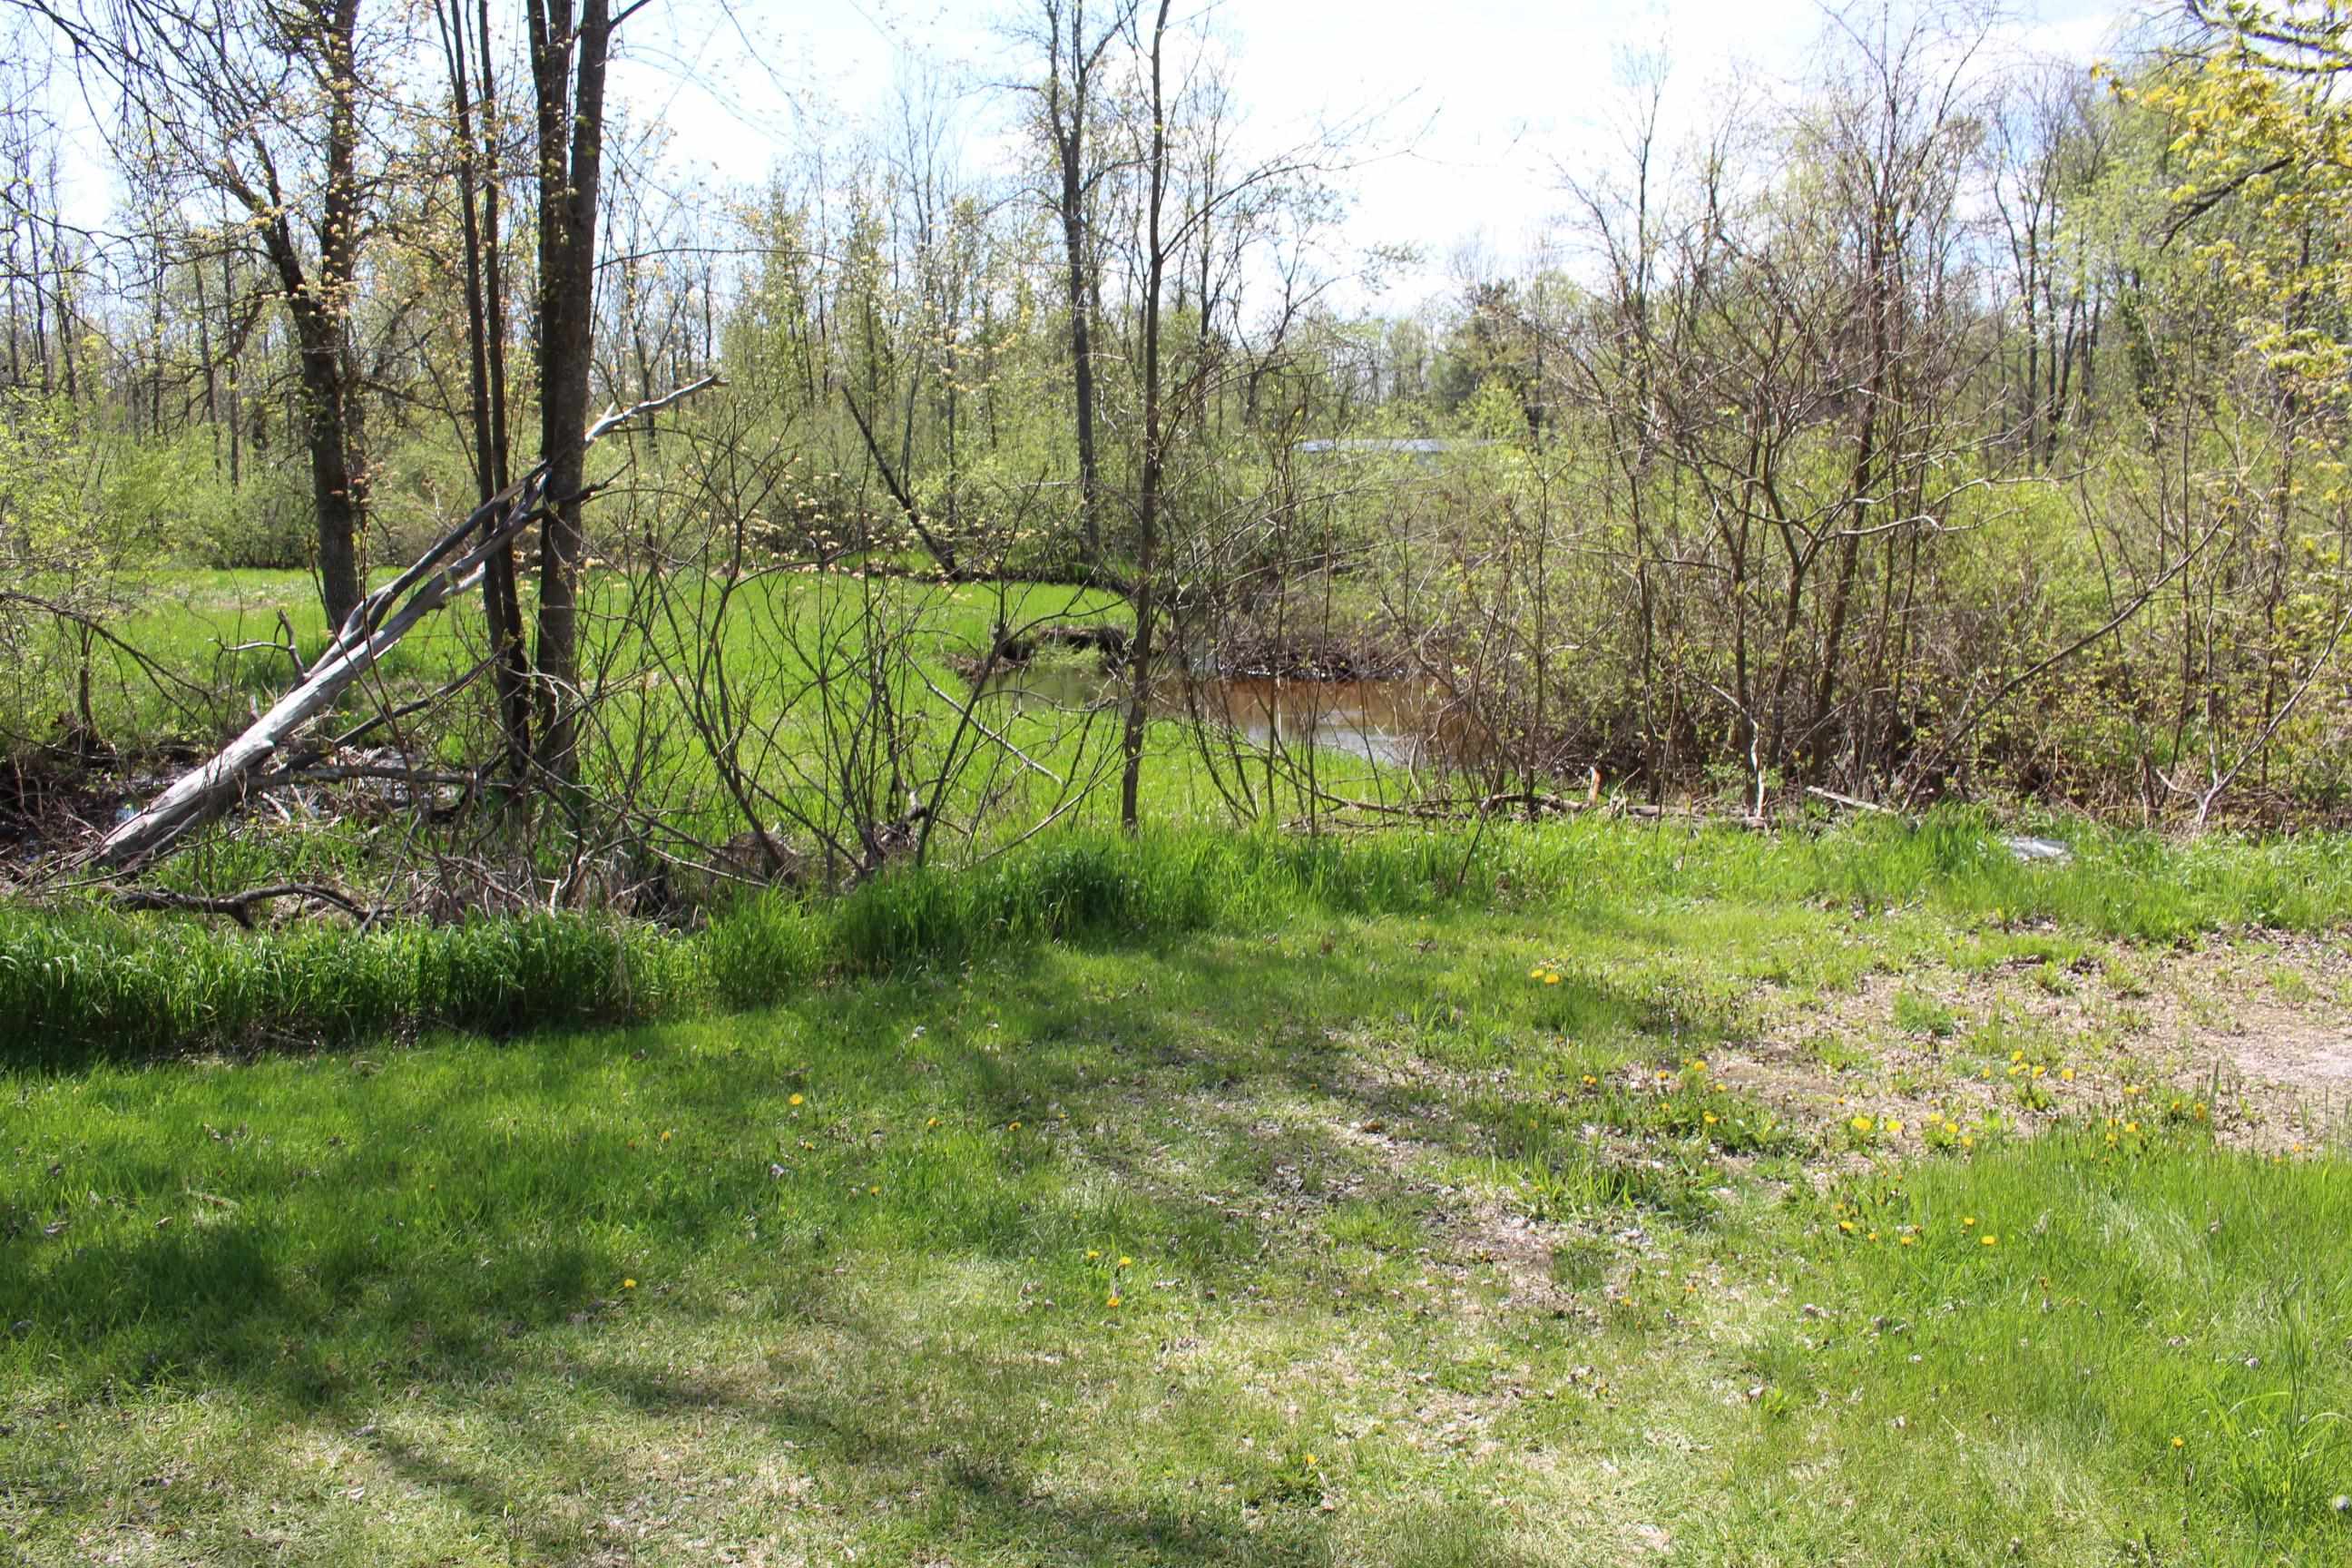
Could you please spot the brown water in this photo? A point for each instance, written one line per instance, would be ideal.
(1384, 722)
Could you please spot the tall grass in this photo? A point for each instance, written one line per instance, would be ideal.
(78, 986)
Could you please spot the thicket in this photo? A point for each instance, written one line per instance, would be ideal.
(1950, 427)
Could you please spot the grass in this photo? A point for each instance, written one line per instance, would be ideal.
(1334, 1214)
(91, 984)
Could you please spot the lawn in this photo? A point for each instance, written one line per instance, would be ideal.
(1680, 1216)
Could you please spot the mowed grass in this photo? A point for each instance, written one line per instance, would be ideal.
(1326, 1235)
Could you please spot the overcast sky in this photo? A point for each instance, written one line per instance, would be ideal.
(1476, 107)
(1480, 103)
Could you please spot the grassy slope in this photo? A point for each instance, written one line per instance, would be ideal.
(1425, 1263)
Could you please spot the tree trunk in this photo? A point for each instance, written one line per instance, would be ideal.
(570, 93)
(1147, 501)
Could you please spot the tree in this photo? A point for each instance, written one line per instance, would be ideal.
(569, 54)
(1068, 101)
(267, 104)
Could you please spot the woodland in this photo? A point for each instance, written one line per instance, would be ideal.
(1954, 426)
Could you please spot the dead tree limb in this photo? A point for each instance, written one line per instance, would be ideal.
(451, 568)
(238, 906)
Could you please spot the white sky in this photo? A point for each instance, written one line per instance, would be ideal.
(1481, 102)
(1478, 105)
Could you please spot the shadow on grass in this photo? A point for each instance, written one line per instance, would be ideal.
(320, 1240)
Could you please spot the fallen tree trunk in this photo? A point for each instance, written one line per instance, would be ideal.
(448, 569)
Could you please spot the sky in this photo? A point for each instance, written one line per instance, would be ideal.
(1478, 109)
(1472, 114)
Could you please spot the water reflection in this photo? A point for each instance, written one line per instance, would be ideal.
(1383, 721)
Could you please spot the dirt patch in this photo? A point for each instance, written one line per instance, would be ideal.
(2253, 1035)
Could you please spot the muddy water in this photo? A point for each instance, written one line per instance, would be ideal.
(1384, 722)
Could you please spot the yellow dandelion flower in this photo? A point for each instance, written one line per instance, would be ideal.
(1092, 1253)
(2067, 1073)
(1537, 973)
(1893, 1127)
(1111, 1300)
(1551, 979)
(1968, 1222)
(1126, 1262)
(1987, 1241)
(2179, 1443)
(796, 1100)
(1907, 1240)
(628, 1284)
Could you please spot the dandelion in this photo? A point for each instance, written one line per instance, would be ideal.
(1093, 1254)
(1987, 1241)
(628, 1284)
(1861, 1124)
(1551, 979)
(1711, 1119)
(1968, 1222)
(1537, 973)
(2179, 1443)
(1015, 1127)
(1127, 1262)
(873, 1192)
(1111, 1300)
(2067, 1073)
(1590, 1080)
(934, 1121)
(797, 1099)
(1907, 1240)
(1893, 1128)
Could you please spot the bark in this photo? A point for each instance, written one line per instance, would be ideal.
(568, 64)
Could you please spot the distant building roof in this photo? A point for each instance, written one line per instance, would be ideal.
(1416, 446)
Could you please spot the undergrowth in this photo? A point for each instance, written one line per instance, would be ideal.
(84, 984)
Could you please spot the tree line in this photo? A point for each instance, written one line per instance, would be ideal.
(1957, 424)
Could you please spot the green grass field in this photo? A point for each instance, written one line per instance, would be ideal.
(1651, 1197)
